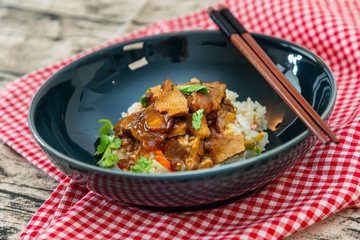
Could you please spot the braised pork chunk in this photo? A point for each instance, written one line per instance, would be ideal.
(221, 147)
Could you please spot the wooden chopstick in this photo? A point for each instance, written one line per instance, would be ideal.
(245, 43)
(282, 79)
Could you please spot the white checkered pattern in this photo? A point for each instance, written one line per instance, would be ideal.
(325, 181)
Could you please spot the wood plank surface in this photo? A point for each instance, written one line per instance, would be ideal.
(36, 33)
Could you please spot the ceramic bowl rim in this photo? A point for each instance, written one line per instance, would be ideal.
(186, 174)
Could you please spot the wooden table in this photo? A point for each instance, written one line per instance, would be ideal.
(36, 33)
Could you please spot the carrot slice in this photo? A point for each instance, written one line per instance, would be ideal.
(163, 161)
(159, 152)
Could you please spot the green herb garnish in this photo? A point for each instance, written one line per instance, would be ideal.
(188, 89)
(142, 165)
(257, 150)
(105, 148)
(107, 143)
(196, 119)
(143, 100)
(106, 128)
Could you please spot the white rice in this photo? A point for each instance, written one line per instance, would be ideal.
(135, 107)
(250, 121)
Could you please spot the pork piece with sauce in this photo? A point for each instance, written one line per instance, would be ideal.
(166, 123)
(220, 147)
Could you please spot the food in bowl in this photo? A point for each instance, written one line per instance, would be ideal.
(183, 127)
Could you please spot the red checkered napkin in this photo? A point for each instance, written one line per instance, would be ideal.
(325, 181)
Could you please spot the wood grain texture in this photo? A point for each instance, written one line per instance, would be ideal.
(36, 33)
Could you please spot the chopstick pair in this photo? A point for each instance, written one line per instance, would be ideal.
(251, 50)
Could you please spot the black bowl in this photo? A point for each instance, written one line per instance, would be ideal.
(64, 113)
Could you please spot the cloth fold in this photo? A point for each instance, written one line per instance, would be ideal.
(325, 181)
